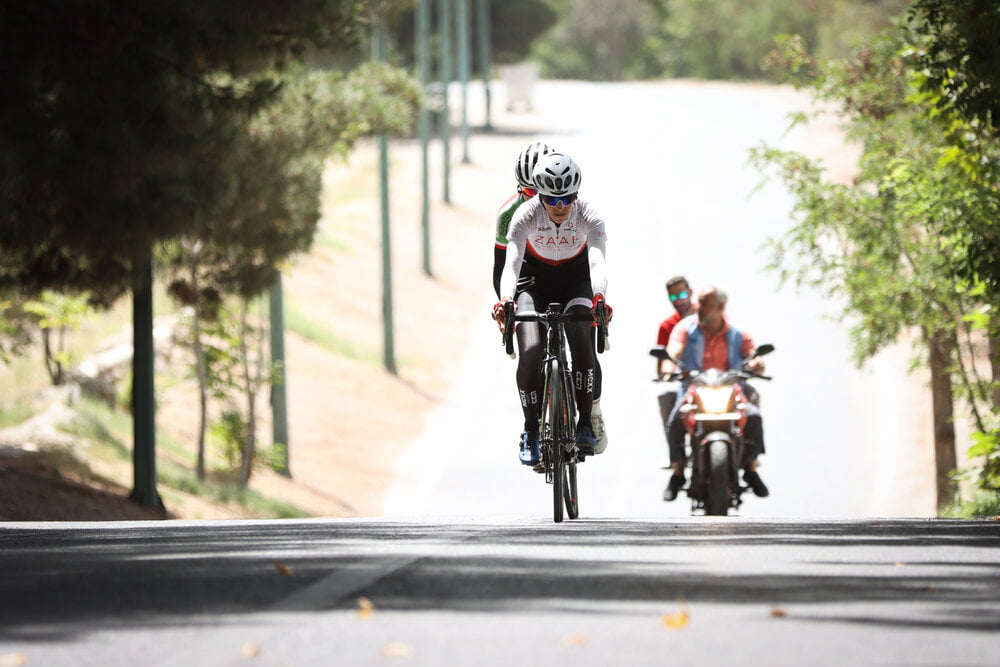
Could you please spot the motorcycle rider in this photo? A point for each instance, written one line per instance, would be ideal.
(707, 340)
(682, 299)
(557, 241)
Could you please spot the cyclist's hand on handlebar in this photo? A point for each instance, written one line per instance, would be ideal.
(500, 313)
(608, 312)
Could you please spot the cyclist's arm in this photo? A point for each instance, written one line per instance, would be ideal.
(511, 269)
(596, 249)
(499, 258)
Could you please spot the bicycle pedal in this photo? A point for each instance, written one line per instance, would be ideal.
(539, 468)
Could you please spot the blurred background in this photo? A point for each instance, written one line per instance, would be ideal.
(245, 251)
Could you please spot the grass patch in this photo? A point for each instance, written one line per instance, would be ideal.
(328, 242)
(110, 435)
(107, 430)
(984, 504)
(297, 321)
(14, 414)
(182, 480)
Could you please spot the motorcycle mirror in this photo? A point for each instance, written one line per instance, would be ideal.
(761, 350)
(660, 353)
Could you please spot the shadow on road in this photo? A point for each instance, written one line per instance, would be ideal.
(79, 579)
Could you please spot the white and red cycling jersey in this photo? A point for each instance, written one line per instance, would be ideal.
(564, 253)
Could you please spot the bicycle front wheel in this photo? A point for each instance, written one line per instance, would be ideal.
(569, 491)
(555, 413)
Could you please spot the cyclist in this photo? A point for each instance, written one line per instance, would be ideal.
(525, 164)
(707, 340)
(682, 299)
(556, 246)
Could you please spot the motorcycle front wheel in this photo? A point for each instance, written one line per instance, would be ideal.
(717, 491)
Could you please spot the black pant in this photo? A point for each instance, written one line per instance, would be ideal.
(586, 372)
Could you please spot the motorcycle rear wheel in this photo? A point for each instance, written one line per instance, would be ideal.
(717, 491)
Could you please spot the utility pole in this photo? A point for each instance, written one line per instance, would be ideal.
(279, 403)
(423, 20)
(463, 72)
(389, 355)
(444, 119)
(485, 53)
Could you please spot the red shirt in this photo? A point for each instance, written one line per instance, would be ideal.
(716, 347)
(666, 326)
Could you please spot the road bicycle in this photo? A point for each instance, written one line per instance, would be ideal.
(557, 423)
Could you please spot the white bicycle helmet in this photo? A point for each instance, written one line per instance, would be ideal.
(556, 175)
(526, 162)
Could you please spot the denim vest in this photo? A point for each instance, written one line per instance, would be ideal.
(694, 352)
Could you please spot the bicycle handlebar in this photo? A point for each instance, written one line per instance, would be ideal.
(549, 317)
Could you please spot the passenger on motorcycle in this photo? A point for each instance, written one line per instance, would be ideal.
(702, 341)
(682, 299)
(556, 250)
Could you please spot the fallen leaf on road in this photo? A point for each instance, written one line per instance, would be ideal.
(576, 639)
(250, 651)
(676, 621)
(398, 650)
(930, 589)
(873, 525)
(13, 660)
(284, 569)
(365, 607)
(778, 612)
(898, 564)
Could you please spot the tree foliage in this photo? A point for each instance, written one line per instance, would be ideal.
(961, 74)
(121, 121)
(718, 39)
(514, 27)
(894, 243)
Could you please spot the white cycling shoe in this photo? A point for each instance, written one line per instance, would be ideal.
(600, 432)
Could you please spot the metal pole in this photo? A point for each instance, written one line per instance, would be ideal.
(485, 53)
(279, 386)
(423, 18)
(143, 388)
(444, 120)
(389, 356)
(463, 72)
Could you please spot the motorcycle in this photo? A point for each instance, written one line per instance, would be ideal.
(714, 408)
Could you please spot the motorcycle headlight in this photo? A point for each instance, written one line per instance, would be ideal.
(715, 399)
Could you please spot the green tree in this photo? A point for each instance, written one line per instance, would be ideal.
(121, 120)
(888, 242)
(57, 316)
(318, 115)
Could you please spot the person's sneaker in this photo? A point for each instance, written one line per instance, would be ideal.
(585, 440)
(597, 422)
(529, 448)
(752, 478)
(674, 485)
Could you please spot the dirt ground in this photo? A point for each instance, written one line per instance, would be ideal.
(350, 418)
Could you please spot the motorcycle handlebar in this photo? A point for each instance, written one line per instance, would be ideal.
(678, 376)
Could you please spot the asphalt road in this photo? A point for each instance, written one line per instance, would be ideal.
(590, 592)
